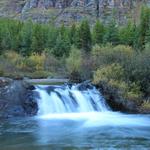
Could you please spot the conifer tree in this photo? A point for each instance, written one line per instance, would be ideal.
(62, 46)
(85, 36)
(144, 26)
(111, 35)
(98, 33)
(127, 34)
(26, 38)
(77, 40)
(51, 37)
(38, 43)
(73, 34)
(6, 36)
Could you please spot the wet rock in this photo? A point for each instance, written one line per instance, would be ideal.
(29, 103)
(50, 89)
(85, 85)
(115, 100)
(4, 81)
(17, 98)
(31, 87)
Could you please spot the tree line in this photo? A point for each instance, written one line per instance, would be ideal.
(27, 37)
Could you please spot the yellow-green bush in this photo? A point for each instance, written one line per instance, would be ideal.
(74, 61)
(113, 75)
(104, 55)
(54, 64)
(146, 105)
(35, 62)
(13, 58)
(111, 50)
(1, 72)
(133, 92)
(123, 50)
(107, 73)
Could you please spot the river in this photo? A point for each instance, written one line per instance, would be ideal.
(75, 118)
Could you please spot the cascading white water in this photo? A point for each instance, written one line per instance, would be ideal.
(65, 99)
(82, 103)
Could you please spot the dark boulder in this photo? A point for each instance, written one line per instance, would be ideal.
(17, 98)
(50, 89)
(115, 99)
(4, 82)
(30, 102)
(85, 85)
(31, 87)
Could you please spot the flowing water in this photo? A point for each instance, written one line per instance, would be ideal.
(73, 119)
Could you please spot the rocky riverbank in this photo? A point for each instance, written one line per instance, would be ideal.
(117, 102)
(18, 98)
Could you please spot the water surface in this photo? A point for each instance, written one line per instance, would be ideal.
(82, 131)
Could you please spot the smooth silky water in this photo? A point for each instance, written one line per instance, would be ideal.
(73, 119)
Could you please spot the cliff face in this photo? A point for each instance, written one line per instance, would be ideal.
(68, 11)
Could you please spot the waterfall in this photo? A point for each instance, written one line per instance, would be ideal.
(69, 99)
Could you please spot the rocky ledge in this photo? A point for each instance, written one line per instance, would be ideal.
(17, 98)
(117, 102)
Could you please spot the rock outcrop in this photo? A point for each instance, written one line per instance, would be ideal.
(68, 11)
(17, 99)
(116, 101)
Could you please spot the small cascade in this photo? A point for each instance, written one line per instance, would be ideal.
(69, 99)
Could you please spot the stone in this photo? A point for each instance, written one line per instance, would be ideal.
(68, 11)
(115, 100)
(17, 98)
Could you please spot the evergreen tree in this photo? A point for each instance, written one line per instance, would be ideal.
(51, 37)
(85, 36)
(127, 34)
(73, 34)
(38, 43)
(77, 40)
(26, 38)
(147, 38)
(14, 30)
(98, 32)
(1, 48)
(144, 26)
(63, 30)
(6, 36)
(62, 46)
(111, 35)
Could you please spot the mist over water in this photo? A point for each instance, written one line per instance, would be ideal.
(73, 119)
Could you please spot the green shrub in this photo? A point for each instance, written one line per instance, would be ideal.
(133, 92)
(137, 69)
(55, 64)
(73, 62)
(33, 63)
(1, 72)
(146, 105)
(113, 75)
(105, 55)
(107, 73)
